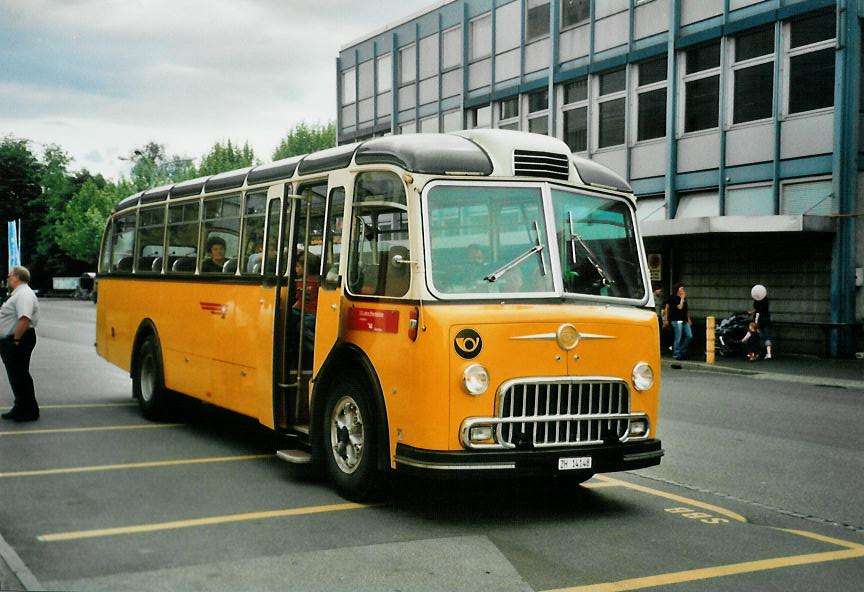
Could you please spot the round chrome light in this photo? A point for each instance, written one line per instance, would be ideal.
(475, 379)
(643, 376)
(568, 336)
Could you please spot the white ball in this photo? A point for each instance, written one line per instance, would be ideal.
(759, 292)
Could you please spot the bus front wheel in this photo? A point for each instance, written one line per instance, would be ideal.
(148, 384)
(350, 440)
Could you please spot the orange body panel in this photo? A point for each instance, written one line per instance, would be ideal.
(216, 339)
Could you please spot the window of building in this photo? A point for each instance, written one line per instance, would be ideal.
(480, 117)
(408, 128)
(574, 12)
(651, 99)
(451, 121)
(408, 64)
(575, 114)
(538, 112)
(480, 37)
(611, 108)
(536, 19)
(753, 75)
(366, 81)
(508, 113)
(451, 48)
(810, 48)
(349, 86)
(812, 197)
(429, 125)
(701, 87)
(384, 76)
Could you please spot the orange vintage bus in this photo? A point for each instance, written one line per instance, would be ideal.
(475, 302)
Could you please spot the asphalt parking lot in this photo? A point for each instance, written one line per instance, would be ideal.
(95, 497)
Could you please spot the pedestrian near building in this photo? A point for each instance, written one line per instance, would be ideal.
(676, 312)
(762, 316)
(19, 315)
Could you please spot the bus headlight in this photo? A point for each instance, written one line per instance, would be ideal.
(643, 376)
(475, 379)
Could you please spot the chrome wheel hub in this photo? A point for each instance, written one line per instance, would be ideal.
(346, 434)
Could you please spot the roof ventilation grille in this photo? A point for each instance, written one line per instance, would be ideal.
(529, 163)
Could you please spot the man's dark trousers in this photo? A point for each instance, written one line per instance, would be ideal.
(16, 358)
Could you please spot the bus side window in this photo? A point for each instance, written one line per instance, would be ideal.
(252, 253)
(379, 233)
(151, 237)
(123, 243)
(333, 246)
(272, 246)
(182, 237)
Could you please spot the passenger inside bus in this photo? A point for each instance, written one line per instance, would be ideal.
(305, 311)
(216, 255)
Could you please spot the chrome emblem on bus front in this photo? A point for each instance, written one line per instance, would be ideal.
(567, 336)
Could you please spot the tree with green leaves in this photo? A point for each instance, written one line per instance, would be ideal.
(226, 157)
(20, 188)
(151, 166)
(305, 138)
(80, 231)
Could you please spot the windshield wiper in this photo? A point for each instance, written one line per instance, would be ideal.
(592, 259)
(537, 248)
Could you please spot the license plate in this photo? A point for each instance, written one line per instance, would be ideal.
(574, 462)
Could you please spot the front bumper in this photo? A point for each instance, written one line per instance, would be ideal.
(605, 458)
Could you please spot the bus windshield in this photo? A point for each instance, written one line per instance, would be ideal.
(494, 239)
(597, 246)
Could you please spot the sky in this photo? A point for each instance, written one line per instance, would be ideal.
(100, 78)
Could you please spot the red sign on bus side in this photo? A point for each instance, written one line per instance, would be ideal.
(373, 319)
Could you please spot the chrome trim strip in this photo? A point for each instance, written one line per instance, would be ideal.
(553, 336)
(448, 467)
(643, 455)
(537, 337)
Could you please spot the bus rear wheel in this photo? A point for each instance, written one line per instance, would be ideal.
(148, 385)
(350, 440)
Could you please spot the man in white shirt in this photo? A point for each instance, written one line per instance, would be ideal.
(18, 317)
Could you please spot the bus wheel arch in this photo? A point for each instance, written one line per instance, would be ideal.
(147, 372)
(349, 387)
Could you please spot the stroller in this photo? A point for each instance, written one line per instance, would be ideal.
(730, 332)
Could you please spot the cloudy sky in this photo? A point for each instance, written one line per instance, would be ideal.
(102, 77)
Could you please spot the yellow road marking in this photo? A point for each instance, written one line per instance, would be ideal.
(104, 532)
(716, 572)
(143, 426)
(678, 498)
(823, 538)
(87, 405)
(599, 484)
(851, 551)
(140, 465)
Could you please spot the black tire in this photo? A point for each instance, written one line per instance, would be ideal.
(350, 440)
(148, 385)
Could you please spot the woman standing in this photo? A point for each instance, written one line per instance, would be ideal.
(762, 316)
(677, 312)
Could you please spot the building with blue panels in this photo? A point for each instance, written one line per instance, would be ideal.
(736, 122)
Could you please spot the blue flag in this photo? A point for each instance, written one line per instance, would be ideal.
(14, 245)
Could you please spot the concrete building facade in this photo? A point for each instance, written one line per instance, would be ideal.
(736, 122)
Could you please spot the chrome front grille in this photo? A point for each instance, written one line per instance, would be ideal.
(566, 413)
(530, 163)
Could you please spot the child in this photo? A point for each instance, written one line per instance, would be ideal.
(753, 341)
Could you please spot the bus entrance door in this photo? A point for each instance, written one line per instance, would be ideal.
(303, 237)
